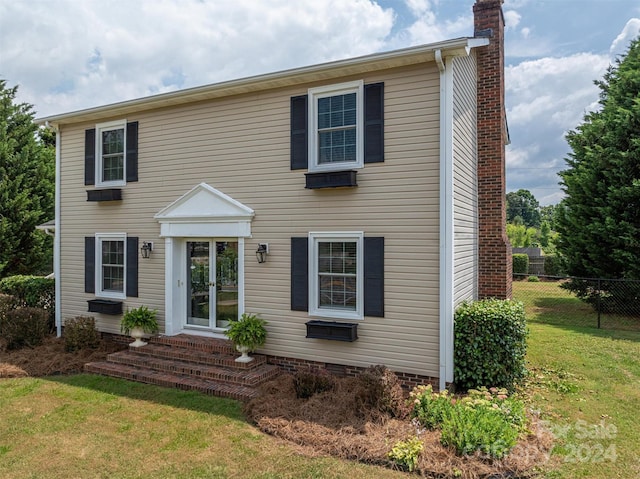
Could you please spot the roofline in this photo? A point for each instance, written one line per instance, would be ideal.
(324, 71)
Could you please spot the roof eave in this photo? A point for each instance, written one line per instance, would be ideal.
(324, 71)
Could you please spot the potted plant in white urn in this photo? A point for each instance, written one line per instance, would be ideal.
(138, 321)
(247, 334)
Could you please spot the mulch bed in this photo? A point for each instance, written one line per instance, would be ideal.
(50, 358)
(334, 423)
(328, 423)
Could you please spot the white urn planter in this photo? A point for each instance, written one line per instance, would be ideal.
(137, 334)
(245, 358)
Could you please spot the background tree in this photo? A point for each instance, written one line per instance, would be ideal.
(27, 185)
(599, 219)
(522, 203)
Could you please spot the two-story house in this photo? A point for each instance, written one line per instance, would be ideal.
(358, 200)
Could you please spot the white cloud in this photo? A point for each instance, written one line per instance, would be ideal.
(68, 55)
(511, 18)
(630, 31)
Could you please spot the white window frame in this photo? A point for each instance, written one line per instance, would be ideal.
(314, 309)
(314, 94)
(100, 237)
(100, 128)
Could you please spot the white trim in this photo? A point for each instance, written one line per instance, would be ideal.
(100, 293)
(56, 239)
(315, 94)
(107, 126)
(316, 311)
(205, 212)
(296, 76)
(446, 221)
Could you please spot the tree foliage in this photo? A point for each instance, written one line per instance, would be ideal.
(522, 203)
(27, 185)
(599, 220)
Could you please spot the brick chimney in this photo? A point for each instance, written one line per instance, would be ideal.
(495, 268)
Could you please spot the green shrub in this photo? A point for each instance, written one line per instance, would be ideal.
(486, 420)
(490, 344)
(430, 408)
(553, 265)
(7, 303)
(310, 382)
(380, 390)
(520, 263)
(80, 333)
(406, 453)
(34, 292)
(533, 279)
(471, 429)
(25, 327)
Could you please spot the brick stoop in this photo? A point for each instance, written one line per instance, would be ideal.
(189, 362)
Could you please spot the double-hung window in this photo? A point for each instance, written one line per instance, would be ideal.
(336, 275)
(111, 153)
(111, 265)
(336, 117)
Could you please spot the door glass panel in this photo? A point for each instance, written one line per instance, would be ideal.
(226, 282)
(199, 281)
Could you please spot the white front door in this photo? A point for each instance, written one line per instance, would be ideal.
(212, 283)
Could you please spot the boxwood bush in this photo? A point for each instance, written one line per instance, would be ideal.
(33, 292)
(520, 263)
(24, 327)
(490, 344)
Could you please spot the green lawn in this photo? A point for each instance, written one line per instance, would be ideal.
(89, 426)
(586, 381)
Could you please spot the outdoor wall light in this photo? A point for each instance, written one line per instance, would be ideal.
(146, 249)
(262, 252)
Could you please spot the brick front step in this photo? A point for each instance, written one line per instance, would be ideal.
(214, 388)
(181, 367)
(213, 358)
(189, 362)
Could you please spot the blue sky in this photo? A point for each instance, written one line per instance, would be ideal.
(67, 55)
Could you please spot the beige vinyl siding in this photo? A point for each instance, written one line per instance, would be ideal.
(240, 146)
(465, 191)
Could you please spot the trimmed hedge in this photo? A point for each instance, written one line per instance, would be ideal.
(520, 263)
(553, 265)
(24, 327)
(490, 344)
(33, 292)
(80, 333)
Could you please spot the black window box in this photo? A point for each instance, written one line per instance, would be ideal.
(110, 194)
(331, 179)
(105, 306)
(332, 330)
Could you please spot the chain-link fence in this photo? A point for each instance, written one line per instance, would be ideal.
(592, 302)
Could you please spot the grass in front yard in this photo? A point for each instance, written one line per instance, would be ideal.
(586, 381)
(93, 426)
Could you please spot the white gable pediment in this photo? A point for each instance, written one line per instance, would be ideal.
(205, 212)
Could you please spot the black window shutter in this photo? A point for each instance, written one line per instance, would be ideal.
(90, 157)
(300, 274)
(132, 151)
(132, 266)
(374, 123)
(374, 276)
(299, 138)
(89, 264)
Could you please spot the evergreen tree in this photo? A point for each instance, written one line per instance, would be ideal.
(599, 220)
(27, 185)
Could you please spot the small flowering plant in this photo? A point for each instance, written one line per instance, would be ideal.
(486, 420)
